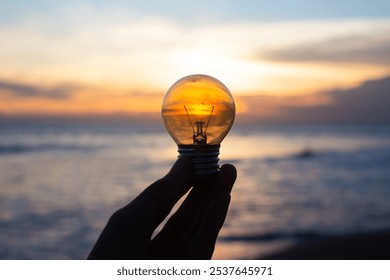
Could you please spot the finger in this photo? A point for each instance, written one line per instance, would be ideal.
(164, 244)
(184, 223)
(199, 197)
(151, 207)
(202, 233)
(227, 177)
(203, 242)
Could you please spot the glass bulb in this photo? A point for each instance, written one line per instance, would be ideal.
(198, 112)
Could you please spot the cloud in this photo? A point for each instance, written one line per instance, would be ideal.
(370, 102)
(365, 104)
(22, 90)
(144, 94)
(151, 52)
(370, 48)
(122, 118)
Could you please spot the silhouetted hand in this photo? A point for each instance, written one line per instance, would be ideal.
(190, 233)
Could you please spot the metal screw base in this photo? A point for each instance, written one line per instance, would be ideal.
(204, 157)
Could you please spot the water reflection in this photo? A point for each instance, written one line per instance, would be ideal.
(55, 200)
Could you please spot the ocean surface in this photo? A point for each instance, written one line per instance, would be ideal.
(60, 184)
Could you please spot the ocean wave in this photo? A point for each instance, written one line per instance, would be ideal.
(299, 236)
(273, 236)
(24, 148)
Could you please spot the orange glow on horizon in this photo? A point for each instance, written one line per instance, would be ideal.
(82, 103)
(127, 65)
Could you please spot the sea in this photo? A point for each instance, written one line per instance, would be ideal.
(59, 184)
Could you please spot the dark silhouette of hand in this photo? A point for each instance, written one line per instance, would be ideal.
(191, 231)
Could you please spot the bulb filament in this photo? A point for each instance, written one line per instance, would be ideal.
(199, 136)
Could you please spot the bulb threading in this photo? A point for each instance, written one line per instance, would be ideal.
(204, 158)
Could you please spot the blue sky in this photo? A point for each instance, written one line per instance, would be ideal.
(204, 10)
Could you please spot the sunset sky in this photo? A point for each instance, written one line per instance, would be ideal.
(109, 57)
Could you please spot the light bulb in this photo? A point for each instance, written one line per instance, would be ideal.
(198, 112)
